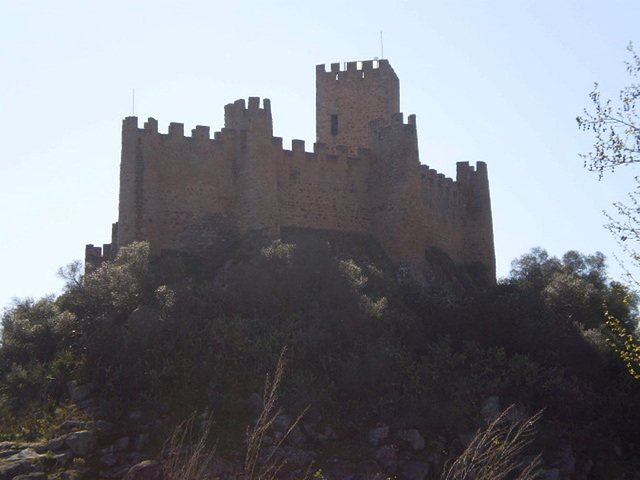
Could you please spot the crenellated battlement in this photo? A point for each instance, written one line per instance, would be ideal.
(395, 121)
(321, 152)
(434, 178)
(467, 173)
(240, 117)
(201, 132)
(342, 71)
(193, 193)
(150, 126)
(174, 130)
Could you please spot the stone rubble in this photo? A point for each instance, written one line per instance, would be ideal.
(101, 450)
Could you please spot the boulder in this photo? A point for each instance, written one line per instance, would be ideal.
(282, 423)
(55, 445)
(139, 442)
(78, 393)
(21, 463)
(413, 438)
(255, 404)
(8, 448)
(370, 469)
(415, 470)
(28, 454)
(108, 459)
(32, 476)
(66, 475)
(378, 434)
(220, 467)
(61, 459)
(583, 469)
(553, 474)
(490, 409)
(73, 425)
(81, 443)
(319, 432)
(145, 470)
(387, 457)
(289, 457)
(101, 427)
(120, 445)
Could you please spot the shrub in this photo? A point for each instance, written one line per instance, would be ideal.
(35, 331)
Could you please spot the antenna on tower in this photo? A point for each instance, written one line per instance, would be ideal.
(381, 47)
(133, 103)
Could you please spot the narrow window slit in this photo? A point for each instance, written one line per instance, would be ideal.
(334, 125)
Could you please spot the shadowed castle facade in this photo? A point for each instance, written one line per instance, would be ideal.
(189, 193)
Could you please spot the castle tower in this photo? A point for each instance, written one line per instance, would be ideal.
(395, 188)
(478, 228)
(256, 199)
(131, 184)
(347, 100)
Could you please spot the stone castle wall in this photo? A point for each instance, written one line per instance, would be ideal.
(190, 193)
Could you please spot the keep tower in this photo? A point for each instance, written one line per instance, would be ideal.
(348, 99)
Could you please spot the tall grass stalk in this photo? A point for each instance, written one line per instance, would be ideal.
(495, 452)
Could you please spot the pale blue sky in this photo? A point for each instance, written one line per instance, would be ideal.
(497, 81)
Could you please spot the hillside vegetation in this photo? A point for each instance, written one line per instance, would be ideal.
(367, 345)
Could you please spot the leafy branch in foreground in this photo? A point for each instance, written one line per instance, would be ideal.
(624, 341)
(495, 452)
(616, 128)
(617, 143)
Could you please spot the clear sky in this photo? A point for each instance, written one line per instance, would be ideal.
(498, 80)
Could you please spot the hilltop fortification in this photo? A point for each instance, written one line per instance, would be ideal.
(192, 193)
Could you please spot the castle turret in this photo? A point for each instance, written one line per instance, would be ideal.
(347, 100)
(131, 183)
(256, 205)
(478, 223)
(395, 188)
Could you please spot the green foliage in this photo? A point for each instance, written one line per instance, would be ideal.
(35, 331)
(120, 286)
(624, 338)
(571, 289)
(36, 421)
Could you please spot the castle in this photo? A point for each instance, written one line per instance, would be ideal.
(188, 193)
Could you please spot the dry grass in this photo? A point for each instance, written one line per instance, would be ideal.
(187, 460)
(255, 466)
(495, 451)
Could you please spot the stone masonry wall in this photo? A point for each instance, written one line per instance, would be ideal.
(169, 181)
(443, 213)
(324, 191)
